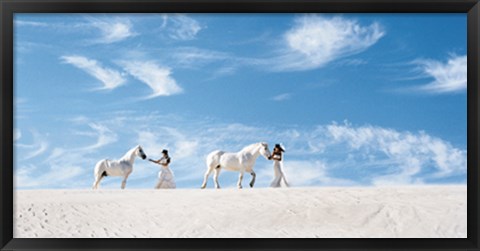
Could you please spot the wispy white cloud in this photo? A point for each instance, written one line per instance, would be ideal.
(28, 177)
(23, 108)
(196, 57)
(217, 63)
(316, 40)
(184, 145)
(104, 136)
(157, 77)
(304, 173)
(186, 148)
(342, 154)
(181, 27)
(310, 173)
(34, 149)
(64, 166)
(185, 152)
(326, 155)
(407, 153)
(312, 42)
(153, 142)
(384, 156)
(112, 30)
(282, 97)
(110, 78)
(41, 148)
(450, 76)
(30, 23)
(23, 177)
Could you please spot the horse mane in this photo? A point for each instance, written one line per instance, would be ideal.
(252, 146)
(129, 152)
(133, 149)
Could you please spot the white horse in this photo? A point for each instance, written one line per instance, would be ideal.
(242, 161)
(122, 167)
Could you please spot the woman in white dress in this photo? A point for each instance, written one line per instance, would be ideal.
(277, 166)
(165, 176)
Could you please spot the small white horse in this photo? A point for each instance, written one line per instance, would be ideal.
(122, 167)
(242, 161)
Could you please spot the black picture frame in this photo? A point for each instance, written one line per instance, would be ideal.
(10, 7)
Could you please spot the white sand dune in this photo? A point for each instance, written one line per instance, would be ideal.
(424, 212)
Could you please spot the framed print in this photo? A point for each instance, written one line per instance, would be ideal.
(239, 125)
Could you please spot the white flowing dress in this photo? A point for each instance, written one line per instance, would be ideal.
(277, 169)
(165, 176)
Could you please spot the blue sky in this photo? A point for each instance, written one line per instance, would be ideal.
(357, 99)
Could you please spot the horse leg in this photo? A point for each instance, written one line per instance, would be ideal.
(98, 173)
(205, 177)
(95, 183)
(253, 178)
(215, 177)
(124, 182)
(98, 178)
(240, 178)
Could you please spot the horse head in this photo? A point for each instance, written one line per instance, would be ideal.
(263, 148)
(140, 153)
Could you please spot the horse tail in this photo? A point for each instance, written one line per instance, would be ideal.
(100, 169)
(213, 159)
(99, 172)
